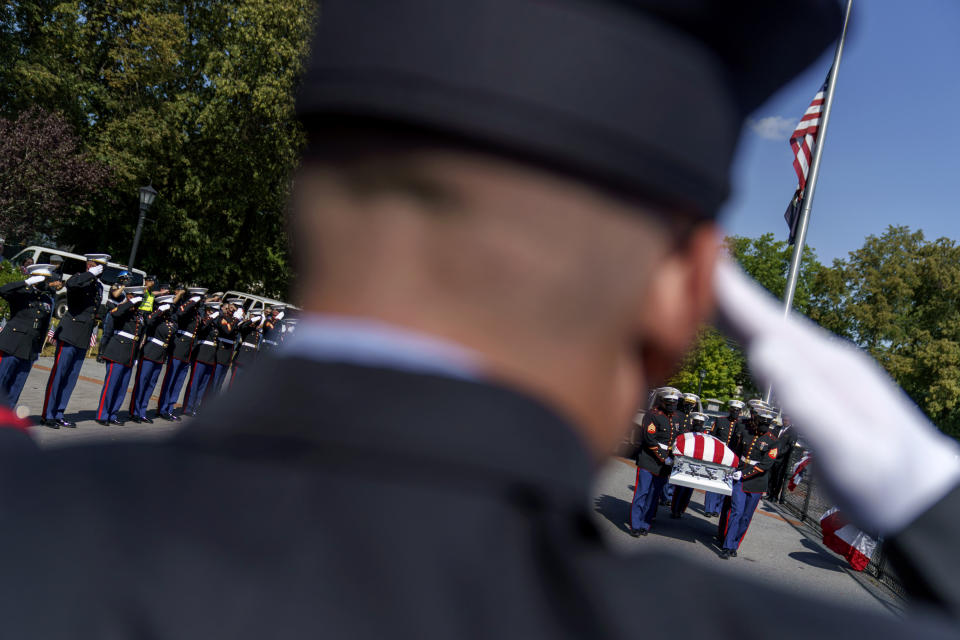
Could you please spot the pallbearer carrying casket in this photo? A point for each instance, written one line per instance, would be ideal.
(758, 452)
(658, 431)
(729, 430)
(696, 422)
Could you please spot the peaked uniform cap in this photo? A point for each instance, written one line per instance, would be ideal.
(99, 258)
(645, 97)
(41, 270)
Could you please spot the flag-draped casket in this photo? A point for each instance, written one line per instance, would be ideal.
(703, 462)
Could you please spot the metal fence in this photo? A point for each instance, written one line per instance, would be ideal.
(809, 502)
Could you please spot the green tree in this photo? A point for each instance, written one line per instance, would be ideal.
(902, 306)
(767, 260)
(196, 97)
(721, 362)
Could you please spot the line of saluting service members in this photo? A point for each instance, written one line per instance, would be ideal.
(762, 446)
(199, 339)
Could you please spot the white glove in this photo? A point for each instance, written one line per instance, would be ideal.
(668, 461)
(736, 475)
(136, 299)
(96, 270)
(214, 315)
(280, 315)
(861, 442)
(35, 279)
(238, 314)
(195, 299)
(163, 307)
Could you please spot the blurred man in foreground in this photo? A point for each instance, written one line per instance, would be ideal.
(504, 226)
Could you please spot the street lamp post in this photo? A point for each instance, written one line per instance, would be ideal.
(147, 195)
(703, 374)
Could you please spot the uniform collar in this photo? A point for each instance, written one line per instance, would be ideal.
(361, 341)
(449, 429)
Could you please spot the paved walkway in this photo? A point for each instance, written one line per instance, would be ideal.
(83, 408)
(778, 550)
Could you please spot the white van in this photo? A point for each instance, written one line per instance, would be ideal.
(75, 263)
(252, 302)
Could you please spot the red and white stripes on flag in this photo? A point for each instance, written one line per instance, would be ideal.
(799, 472)
(705, 447)
(804, 137)
(802, 141)
(845, 539)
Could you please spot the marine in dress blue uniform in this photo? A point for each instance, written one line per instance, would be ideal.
(729, 430)
(758, 452)
(73, 336)
(159, 329)
(248, 339)
(696, 423)
(273, 329)
(187, 316)
(31, 305)
(204, 358)
(687, 407)
(120, 355)
(230, 317)
(658, 431)
(115, 297)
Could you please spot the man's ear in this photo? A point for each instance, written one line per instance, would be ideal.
(679, 300)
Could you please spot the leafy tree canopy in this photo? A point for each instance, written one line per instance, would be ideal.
(195, 97)
(721, 363)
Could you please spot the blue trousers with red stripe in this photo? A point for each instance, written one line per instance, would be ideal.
(147, 375)
(172, 383)
(646, 499)
(219, 375)
(742, 507)
(713, 502)
(200, 377)
(114, 389)
(63, 378)
(681, 499)
(13, 375)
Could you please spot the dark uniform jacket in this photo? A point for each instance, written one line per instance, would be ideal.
(226, 340)
(248, 337)
(124, 342)
(787, 441)
(658, 432)
(757, 454)
(205, 347)
(188, 319)
(158, 336)
(729, 431)
(106, 317)
(272, 334)
(84, 293)
(30, 311)
(373, 519)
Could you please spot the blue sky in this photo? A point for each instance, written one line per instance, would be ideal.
(892, 153)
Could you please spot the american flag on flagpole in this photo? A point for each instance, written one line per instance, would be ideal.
(802, 142)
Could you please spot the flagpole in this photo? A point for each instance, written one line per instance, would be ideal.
(800, 240)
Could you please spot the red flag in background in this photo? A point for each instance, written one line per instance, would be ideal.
(845, 539)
